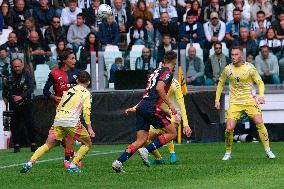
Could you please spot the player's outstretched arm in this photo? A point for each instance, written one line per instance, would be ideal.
(161, 91)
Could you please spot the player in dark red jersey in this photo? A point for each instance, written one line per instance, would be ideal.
(61, 79)
(148, 111)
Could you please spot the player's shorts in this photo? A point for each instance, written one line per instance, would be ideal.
(78, 132)
(161, 131)
(144, 119)
(236, 110)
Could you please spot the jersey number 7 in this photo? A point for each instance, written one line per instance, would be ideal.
(69, 94)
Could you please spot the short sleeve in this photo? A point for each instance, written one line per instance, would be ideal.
(166, 77)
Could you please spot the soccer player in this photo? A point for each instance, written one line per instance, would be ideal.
(67, 122)
(242, 75)
(61, 79)
(148, 111)
(175, 95)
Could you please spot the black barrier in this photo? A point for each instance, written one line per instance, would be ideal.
(112, 126)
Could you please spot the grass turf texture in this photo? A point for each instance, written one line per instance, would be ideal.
(199, 166)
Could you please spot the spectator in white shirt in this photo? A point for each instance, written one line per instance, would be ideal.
(243, 5)
(69, 14)
(164, 6)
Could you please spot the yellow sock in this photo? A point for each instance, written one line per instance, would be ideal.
(80, 154)
(157, 154)
(39, 152)
(263, 135)
(171, 146)
(229, 136)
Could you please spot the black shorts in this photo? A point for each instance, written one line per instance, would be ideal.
(144, 119)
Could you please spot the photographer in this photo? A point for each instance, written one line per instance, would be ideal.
(17, 91)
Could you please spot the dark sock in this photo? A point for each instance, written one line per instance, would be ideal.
(154, 145)
(124, 156)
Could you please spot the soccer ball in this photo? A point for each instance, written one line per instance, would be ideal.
(104, 11)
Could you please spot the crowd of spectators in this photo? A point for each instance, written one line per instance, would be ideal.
(160, 25)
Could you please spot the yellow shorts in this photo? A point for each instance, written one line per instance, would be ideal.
(236, 110)
(161, 131)
(78, 132)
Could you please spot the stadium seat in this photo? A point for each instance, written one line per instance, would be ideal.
(88, 69)
(41, 75)
(128, 38)
(111, 48)
(4, 36)
(134, 54)
(109, 58)
(137, 47)
(53, 51)
(78, 53)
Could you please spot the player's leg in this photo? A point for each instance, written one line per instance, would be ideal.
(154, 133)
(68, 143)
(170, 145)
(255, 113)
(233, 114)
(50, 143)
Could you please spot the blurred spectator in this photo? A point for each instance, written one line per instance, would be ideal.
(249, 45)
(118, 65)
(92, 44)
(150, 4)
(272, 42)
(24, 33)
(166, 46)
(259, 27)
(58, 5)
(18, 14)
(162, 7)
(138, 34)
(109, 32)
(92, 19)
(43, 14)
(143, 12)
(233, 27)
(167, 27)
(37, 52)
(197, 11)
(244, 8)
(277, 26)
(190, 31)
(55, 32)
(60, 48)
(69, 14)
(194, 68)
(146, 61)
(215, 65)
(214, 7)
(1, 24)
(250, 59)
(267, 66)
(17, 90)
(261, 5)
(5, 65)
(5, 11)
(121, 16)
(77, 32)
(84, 5)
(214, 31)
(12, 45)
(279, 8)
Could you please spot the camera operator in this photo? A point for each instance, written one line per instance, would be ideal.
(17, 91)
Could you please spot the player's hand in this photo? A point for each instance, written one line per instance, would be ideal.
(174, 111)
(17, 98)
(130, 110)
(261, 100)
(187, 131)
(91, 132)
(217, 105)
(176, 119)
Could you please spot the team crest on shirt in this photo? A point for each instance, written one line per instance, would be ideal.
(75, 76)
(168, 76)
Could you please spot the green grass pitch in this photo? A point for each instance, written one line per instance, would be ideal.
(199, 166)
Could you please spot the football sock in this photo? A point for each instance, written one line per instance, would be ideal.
(171, 146)
(263, 135)
(157, 143)
(127, 154)
(68, 153)
(39, 152)
(80, 154)
(229, 135)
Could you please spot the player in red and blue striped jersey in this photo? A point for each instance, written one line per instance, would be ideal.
(149, 112)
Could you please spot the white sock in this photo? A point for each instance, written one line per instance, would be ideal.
(30, 164)
(72, 165)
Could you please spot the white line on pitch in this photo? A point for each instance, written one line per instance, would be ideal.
(61, 158)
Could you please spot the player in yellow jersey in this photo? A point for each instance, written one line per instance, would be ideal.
(67, 122)
(242, 76)
(176, 97)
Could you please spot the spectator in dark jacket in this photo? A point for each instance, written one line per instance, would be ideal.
(5, 11)
(18, 14)
(43, 14)
(248, 44)
(12, 46)
(138, 34)
(191, 31)
(166, 46)
(92, 19)
(166, 27)
(109, 32)
(54, 32)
